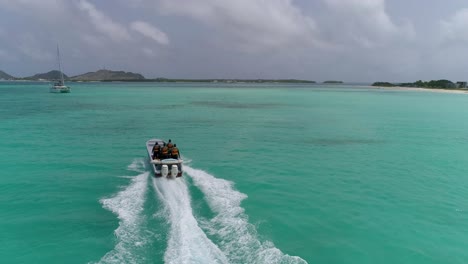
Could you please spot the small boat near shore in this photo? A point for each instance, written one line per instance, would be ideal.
(169, 166)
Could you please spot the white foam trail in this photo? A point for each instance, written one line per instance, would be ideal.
(138, 165)
(128, 206)
(187, 243)
(239, 239)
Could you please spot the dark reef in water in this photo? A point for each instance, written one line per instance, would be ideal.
(332, 82)
(235, 105)
(340, 142)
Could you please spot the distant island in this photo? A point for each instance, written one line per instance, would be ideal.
(433, 84)
(122, 76)
(52, 75)
(332, 82)
(104, 75)
(5, 76)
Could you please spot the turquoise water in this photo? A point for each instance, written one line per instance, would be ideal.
(274, 174)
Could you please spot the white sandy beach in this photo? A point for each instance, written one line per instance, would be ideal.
(435, 90)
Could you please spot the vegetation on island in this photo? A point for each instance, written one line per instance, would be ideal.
(332, 82)
(434, 84)
(102, 75)
(52, 75)
(383, 84)
(430, 84)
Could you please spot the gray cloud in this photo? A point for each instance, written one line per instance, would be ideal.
(455, 28)
(148, 52)
(252, 24)
(350, 40)
(5, 56)
(150, 31)
(365, 23)
(29, 6)
(103, 23)
(29, 48)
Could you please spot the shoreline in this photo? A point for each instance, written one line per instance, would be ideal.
(260, 81)
(434, 90)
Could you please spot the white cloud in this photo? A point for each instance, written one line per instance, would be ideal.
(103, 23)
(150, 31)
(365, 22)
(254, 24)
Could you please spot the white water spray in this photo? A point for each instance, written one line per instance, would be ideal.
(187, 243)
(128, 206)
(238, 238)
(138, 165)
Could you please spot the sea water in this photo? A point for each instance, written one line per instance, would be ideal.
(274, 173)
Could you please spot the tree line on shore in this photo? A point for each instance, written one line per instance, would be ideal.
(445, 84)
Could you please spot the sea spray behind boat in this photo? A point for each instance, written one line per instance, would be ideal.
(187, 243)
(128, 206)
(238, 237)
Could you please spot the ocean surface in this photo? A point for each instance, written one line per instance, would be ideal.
(274, 173)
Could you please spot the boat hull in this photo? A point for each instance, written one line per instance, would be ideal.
(157, 166)
(60, 89)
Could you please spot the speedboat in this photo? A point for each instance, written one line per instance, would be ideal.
(163, 167)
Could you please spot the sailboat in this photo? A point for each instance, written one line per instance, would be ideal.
(59, 86)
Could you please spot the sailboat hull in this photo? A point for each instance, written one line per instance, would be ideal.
(59, 89)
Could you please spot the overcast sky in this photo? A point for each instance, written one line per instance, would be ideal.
(349, 40)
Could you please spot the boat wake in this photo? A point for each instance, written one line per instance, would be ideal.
(128, 206)
(238, 238)
(187, 243)
(235, 240)
(138, 165)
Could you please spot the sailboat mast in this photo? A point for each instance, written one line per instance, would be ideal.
(60, 66)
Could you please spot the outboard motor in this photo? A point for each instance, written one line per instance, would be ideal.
(164, 170)
(174, 171)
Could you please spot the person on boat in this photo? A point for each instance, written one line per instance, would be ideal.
(156, 146)
(156, 151)
(169, 144)
(175, 152)
(164, 152)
